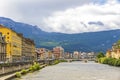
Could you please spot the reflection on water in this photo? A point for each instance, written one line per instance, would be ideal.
(75, 71)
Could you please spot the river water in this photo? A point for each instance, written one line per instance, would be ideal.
(75, 71)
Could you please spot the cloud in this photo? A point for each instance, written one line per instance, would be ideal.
(33, 11)
(76, 20)
(66, 16)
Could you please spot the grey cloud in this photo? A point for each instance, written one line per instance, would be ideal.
(96, 23)
(33, 11)
(46, 7)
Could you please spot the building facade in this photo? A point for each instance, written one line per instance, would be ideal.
(2, 48)
(58, 52)
(114, 52)
(68, 55)
(76, 55)
(14, 44)
(28, 50)
(91, 55)
(18, 48)
(43, 54)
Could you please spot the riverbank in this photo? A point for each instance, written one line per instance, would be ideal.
(77, 70)
(32, 68)
(7, 77)
(109, 61)
(18, 74)
(36, 67)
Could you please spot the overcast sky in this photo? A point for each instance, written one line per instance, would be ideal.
(66, 16)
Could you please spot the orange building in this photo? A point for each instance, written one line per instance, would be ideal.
(43, 53)
(58, 52)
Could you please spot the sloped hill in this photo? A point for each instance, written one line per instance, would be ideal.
(91, 41)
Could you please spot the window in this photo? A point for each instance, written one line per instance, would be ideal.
(7, 37)
(8, 33)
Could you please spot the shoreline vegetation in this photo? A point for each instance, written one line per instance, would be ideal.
(35, 67)
(109, 61)
(101, 58)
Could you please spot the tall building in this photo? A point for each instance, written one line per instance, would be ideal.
(14, 44)
(28, 49)
(2, 48)
(43, 53)
(37, 51)
(67, 55)
(58, 52)
(34, 55)
(91, 55)
(76, 55)
(84, 55)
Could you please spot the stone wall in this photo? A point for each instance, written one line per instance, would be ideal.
(9, 68)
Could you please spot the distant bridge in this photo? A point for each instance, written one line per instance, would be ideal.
(81, 59)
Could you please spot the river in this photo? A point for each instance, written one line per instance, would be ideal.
(75, 71)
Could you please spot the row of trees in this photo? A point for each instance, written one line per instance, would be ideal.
(104, 60)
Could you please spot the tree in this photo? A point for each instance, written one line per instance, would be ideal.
(118, 44)
(100, 55)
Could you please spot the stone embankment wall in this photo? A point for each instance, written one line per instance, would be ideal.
(9, 68)
(13, 67)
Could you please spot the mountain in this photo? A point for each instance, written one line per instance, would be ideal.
(90, 41)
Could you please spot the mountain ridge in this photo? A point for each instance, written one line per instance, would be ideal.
(88, 41)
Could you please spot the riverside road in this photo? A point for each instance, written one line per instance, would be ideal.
(75, 71)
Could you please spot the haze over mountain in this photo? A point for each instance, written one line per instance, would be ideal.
(90, 41)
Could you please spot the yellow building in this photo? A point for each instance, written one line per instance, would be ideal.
(113, 53)
(108, 54)
(14, 44)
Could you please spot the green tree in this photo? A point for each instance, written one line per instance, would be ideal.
(118, 44)
(100, 55)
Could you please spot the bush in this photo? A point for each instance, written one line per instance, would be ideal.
(56, 61)
(34, 67)
(18, 74)
(102, 60)
(100, 55)
(117, 62)
(110, 61)
(23, 71)
(63, 60)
